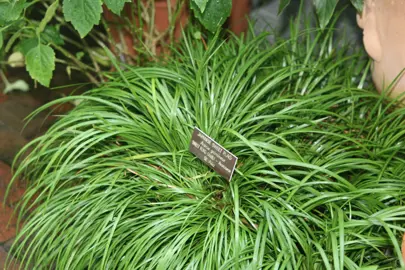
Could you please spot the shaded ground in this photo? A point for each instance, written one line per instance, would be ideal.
(14, 134)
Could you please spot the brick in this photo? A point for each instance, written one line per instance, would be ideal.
(7, 223)
(7, 218)
(17, 189)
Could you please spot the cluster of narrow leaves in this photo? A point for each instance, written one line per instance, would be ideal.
(319, 182)
(325, 8)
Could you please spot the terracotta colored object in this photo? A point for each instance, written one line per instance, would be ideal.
(8, 221)
(3, 97)
(383, 24)
(125, 39)
(162, 17)
(238, 21)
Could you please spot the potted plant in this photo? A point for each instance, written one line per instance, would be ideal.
(169, 17)
(318, 183)
(130, 32)
(40, 40)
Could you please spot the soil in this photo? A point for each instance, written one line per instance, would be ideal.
(15, 133)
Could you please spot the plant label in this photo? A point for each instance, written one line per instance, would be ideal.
(213, 154)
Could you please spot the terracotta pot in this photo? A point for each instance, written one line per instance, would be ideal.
(238, 22)
(126, 39)
(162, 17)
(120, 35)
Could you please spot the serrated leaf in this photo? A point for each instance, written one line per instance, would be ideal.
(215, 14)
(52, 35)
(12, 39)
(358, 4)
(50, 12)
(325, 10)
(11, 10)
(283, 4)
(40, 63)
(27, 45)
(83, 14)
(201, 4)
(116, 6)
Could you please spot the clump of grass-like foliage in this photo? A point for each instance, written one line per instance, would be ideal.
(319, 183)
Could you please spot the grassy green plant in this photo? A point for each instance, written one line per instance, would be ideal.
(319, 183)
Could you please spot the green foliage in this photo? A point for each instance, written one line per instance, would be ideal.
(10, 10)
(83, 15)
(283, 4)
(201, 4)
(358, 4)
(116, 5)
(319, 182)
(50, 13)
(41, 63)
(214, 14)
(324, 8)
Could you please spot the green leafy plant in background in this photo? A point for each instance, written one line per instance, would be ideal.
(318, 185)
(39, 39)
(324, 8)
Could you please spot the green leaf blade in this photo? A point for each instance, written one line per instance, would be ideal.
(201, 4)
(41, 63)
(358, 4)
(215, 14)
(325, 10)
(51, 34)
(83, 14)
(27, 45)
(283, 4)
(10, 11)
(373, 267)
(116, 6)
(50, 12)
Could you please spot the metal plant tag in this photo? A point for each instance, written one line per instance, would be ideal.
(213, 154)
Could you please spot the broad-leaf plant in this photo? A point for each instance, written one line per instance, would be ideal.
(324, 8)
(37, 40)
